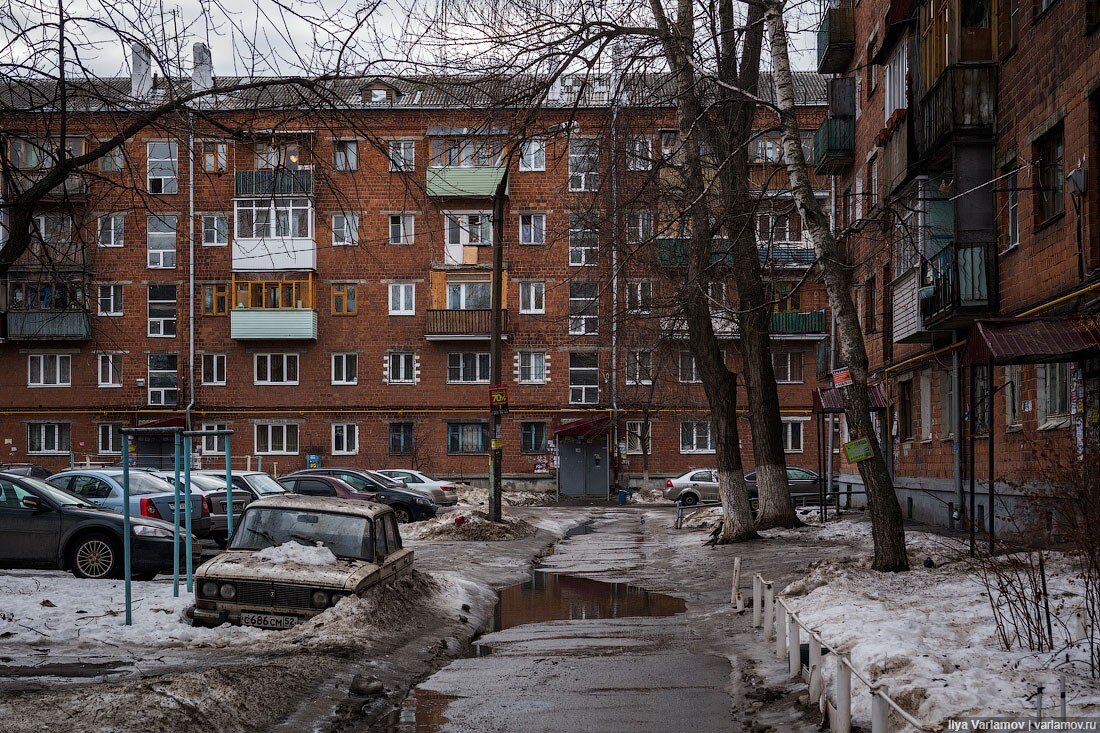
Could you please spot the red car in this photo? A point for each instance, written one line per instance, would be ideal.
(319, 485)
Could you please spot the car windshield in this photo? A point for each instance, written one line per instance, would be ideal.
(144, 483)
(359, 483)
(347, 535)
(208, 483)
(386, 480)
(264, 484)
(59, 496)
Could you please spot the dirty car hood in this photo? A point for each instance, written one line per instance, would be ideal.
(241, 565)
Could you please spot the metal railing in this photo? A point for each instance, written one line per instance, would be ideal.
(960, 281)
(798, 321)
(834, 145)
(279, 182)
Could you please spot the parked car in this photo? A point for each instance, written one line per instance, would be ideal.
(802, 481)
(444, 493)
(26, 469)
(409, 506)
(212, 489)
(150, 496)
(257, 581)
(702, 485)
(42, 526)
(324, 486)
(257, 484)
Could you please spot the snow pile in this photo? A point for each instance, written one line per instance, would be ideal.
(703, 518)
(476, 496)
(294, 552)
(468, 525)
(649, 496)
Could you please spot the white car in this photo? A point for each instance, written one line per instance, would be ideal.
(445, 493)
(698, 484)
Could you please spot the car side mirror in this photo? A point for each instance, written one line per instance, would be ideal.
(34, 503)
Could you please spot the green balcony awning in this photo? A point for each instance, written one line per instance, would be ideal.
(464, 182)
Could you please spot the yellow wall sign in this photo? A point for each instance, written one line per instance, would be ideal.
(858, 450)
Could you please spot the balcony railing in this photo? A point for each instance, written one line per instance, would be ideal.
(961, 287)
(74, 187)
(836, 40)
(834, 145)
(48, 325)
(962, 101)
(898, 154)
(458, 325)
(281, 182)
(725, 326)
(798, 322)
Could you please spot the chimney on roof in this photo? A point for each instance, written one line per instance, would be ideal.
(202, 70)
(141, 71)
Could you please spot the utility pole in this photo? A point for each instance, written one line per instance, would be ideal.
(496, 452)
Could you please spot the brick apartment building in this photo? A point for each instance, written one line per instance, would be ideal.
(964, 139)
(320, 284)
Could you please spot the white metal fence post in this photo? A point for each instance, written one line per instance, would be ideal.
(878, 708)
(756, 601)
(780, 630)
(769, 611)
(815, 654)
(843, 695)
(794, 647)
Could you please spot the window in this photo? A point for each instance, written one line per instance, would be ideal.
(402, 228)
(468, 366)
(269, 156)
(275, 217)
(402, 299)
(215, 158)
(213, 369)
(343, 299)
(215, 230)
(872, 183)
(787, 364)
(639, 153)
(1053, 387)
(532, 155)
(464, 296)
(583, 308)
(792, 436)
(467, 437)
(346, 155)
(1013, 204)
(689, 373)
(465, 152)
(109, 439)
(716, 291)
(110, 300)
(897, 67)
(584, 379)
(584, 158)
(112, 161)
(926, 405)
(213, 444)
(49, 370)
(469, 229)
(275, 369)
(401, 438)
(532, 297)
(786, 295)
(401, 367)
(215, 299)
(532, 437)
(947, 405)
(639, 296)
(638, 437)
(905, 410)
(48, 437)
(345, 439)
(345, 229)
(162, 311)
(51, 233)
(532, 228)
(161, 241)
(163, 379)
(1052, 179)
(639, 367)
(639, 226)
(979, 411)
(110, 369)
(870, 305)
(696, 436)
(768, 148)
(670, 143)
(1014, 403)
(345, 368)
(112, 228)
(276, 438)
(532, 367)
(163, 167)
(402, 155)
(584, 243)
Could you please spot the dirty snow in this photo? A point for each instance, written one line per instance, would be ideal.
(649, 496)
(295, 552)
(477, 496)
(468, 525)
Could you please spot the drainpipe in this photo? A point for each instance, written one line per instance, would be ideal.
(190, 273)
(956, 444)
(831, 362)
(615, 238)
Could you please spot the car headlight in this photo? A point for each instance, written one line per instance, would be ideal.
(145, 530)
(337, 597)
(227, 592)
(422, 500)
(319, 599)
(209, 590)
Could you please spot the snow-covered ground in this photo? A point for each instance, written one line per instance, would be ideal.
(476, 496)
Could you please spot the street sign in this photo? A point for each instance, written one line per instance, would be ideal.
(498, 400)
(858, 450)
(496, 443)
(842, 377)
(313, 460)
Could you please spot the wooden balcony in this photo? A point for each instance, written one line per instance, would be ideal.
(462, 325)
(962, 285)
(834, 145)
(961, 103)
(898, 153)
(280, 182)
(836, 40)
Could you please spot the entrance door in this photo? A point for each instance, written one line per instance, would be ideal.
(584, 469)
(154, 451)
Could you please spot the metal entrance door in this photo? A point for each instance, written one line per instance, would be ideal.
(584, 469)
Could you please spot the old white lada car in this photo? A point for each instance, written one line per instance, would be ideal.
(291, 557)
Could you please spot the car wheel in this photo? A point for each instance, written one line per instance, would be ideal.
(689, 499)
(402, 513)
(96, 556)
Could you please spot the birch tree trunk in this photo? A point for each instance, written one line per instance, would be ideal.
(887, 530)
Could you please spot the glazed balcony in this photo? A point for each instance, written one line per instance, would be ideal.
(961, 103)
(446, 324)
(836, 40)
(273, 310)
(72, 188)
(834, 146)
(962, 286)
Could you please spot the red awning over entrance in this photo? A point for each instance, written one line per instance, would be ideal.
(175, 421)
(828, 400)
(1032, 340)
(587, 427)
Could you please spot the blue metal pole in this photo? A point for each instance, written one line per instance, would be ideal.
(176, 518)
(126, 525)
(187, 506)
(228, 488)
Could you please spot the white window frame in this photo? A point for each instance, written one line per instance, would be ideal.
(214, 235)
(107, 447)
(691, 377)
(458, 228)
(114, 226)
(925, 385)
(345, 155)
(277, 211)
(165, 184)
(897, 67)
(532, 367)
(532, 155)
(639, 367)
(586, 320)
(62, 366)
(694, 439)
(532, 228)
(340, 363)
(267, 358)
(345, 230)
(1013, 203)
(269, 430)
(218, 362)
(947, 404)
(115, 305)
(1051, 417)
(61, 438)
(155, 327)
(458, 365)
(402, 155)
(401, 367)
(402, 299)
(639, 153)
(345, 439)
(788, 424)
(639, 225)
(639, 296)
(160, 256)
(584, 164)
(783, 362)
(405, 229)
(584, 394)
(461, 288)
(109, 369)
(532, 297)
(213, 445)
(584, 243)
(161, 393)
(639, 437)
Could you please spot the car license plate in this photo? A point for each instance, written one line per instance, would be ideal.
(268, 621)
